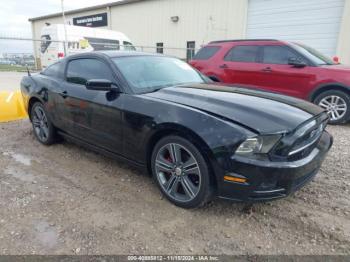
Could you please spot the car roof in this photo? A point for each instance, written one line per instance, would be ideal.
(250, 41)
(241, 40)
(115, 54)
(127, 53)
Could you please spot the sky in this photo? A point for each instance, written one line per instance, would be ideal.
(15, 14)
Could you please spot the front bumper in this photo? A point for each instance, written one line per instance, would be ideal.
(267, 180)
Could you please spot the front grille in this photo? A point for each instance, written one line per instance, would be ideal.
(302, 154)
(305, 144)
(302, 142)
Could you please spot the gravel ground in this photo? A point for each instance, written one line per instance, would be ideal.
(64, 199)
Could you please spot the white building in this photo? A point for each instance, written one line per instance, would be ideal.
(323, 24)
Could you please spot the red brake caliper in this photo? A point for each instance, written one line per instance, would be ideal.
(168, 158)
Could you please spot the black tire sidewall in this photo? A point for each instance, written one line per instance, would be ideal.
(341, 94)
(52, 132)
(205, 191)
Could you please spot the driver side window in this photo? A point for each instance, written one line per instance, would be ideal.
(79, 71)
(278, 55)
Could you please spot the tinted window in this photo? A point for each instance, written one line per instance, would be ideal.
(206, 52)
(54, 70)
(81, 70)
(277, 55)
(243, 54)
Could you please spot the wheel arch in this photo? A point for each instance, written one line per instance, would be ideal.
(327, 87)
(31, 102)
(184, 132)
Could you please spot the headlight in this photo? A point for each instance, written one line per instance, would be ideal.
(249, 146)
(257, 145)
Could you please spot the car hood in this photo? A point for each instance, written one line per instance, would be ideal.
(263, 112)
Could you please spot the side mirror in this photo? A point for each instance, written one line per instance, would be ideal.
(101, 85)
(296, 62)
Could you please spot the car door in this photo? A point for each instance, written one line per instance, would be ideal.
(92, 116)
(240, 65)
(276, 74)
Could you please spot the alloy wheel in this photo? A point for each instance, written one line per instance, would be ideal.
(40, 123)
(335, 105)
(178, 172)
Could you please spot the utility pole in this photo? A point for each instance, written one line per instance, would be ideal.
(65, 29)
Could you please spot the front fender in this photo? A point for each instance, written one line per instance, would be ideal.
(145, 117)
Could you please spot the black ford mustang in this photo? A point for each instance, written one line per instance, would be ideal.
(199, 140)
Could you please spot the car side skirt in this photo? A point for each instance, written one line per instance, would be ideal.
(140, 166)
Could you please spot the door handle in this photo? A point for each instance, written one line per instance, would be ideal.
(64, 94)
(267, 70)
(224, 66)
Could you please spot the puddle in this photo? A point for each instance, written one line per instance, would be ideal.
(19, 174)
(46, 234)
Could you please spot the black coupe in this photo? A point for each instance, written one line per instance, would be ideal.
(197, 139)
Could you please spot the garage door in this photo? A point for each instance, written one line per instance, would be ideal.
(313, 22)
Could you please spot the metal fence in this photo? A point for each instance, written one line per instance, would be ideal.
(17, 53)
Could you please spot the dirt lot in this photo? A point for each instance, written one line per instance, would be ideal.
(64, 199)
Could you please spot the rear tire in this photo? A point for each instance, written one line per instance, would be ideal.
(337, 105)
(43, 128)
(181, 172)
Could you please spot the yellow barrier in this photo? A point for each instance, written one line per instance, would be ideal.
(11, 106)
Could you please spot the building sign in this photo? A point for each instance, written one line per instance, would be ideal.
(91, 20)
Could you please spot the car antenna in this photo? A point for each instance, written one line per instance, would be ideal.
(29, 74)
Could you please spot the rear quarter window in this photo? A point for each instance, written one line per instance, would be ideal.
(206, 52)
(54, 70)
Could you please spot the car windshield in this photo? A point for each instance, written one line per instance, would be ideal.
(150, 73)
(313, 55)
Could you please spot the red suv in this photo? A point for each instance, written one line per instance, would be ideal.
(284, 67)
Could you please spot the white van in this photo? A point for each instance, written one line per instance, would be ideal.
(79, 39)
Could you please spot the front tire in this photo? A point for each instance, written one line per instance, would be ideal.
(337, 105)
(181, 172)
(43, 129)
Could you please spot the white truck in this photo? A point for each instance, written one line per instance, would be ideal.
(79, 39)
